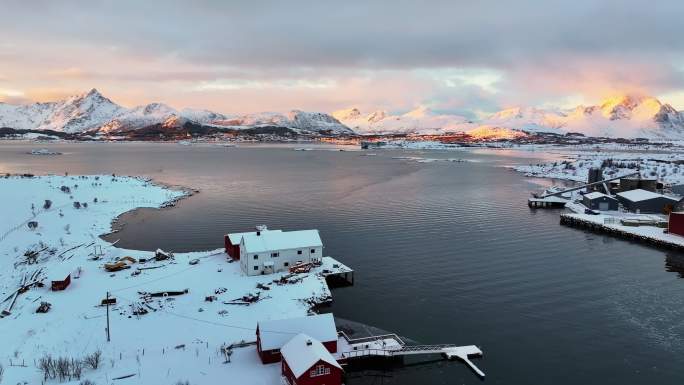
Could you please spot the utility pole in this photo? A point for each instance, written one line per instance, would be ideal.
(107, 300)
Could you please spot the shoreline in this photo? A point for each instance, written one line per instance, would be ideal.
(65, 229)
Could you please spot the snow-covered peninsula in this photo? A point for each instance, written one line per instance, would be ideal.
(51, 226)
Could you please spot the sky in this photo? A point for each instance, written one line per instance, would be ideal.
(468, 57)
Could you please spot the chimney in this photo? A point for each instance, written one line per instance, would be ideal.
(308, 342)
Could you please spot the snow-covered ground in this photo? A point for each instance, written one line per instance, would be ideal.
(178, 339)
(665, 166)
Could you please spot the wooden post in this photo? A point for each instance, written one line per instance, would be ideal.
(108, 338)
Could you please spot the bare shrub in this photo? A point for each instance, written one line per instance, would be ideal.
(76, 367)
(87, 382)
(93, 360)
(47, 366)
(63, 366)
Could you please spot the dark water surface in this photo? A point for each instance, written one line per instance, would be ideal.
(443, 252)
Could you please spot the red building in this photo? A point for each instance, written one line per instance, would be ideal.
(306, 361)
(61, 284)
(676, 223)
(273, 335)
(232, 245)
(232, 241)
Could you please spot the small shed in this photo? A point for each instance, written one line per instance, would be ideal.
(61, 277)
(675, 224)
(273, 335)
(599, 201)
(643, 201)
(307, 362)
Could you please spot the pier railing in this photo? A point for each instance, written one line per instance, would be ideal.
(369, 339)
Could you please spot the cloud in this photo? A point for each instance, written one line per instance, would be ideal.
(450, 54)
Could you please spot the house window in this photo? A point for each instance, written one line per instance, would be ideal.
(274, 255)
(256, 256)
(299, 252)
(321, 370)
(256, 267)
(286, 264)
(313, 251)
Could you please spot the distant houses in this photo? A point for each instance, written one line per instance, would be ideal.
(270, 251)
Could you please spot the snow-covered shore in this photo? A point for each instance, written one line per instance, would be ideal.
(665, 166)
(178, 339)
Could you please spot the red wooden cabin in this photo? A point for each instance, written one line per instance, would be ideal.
(306, 361)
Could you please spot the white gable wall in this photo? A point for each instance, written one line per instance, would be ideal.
(253, 263)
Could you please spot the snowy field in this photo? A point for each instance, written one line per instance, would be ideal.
(154, 340)
(665, 166)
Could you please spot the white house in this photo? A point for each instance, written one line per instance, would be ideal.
(266, 252)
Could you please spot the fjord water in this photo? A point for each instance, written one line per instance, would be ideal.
(444, 252)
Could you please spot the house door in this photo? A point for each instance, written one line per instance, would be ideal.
(604, 206)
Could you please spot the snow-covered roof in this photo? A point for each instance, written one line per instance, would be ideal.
(281, 240)
(642, 195)
(235, 238)
(61, 271)
(275, 333)
(302, 352)
(596, 195)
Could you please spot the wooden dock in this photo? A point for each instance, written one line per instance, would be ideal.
(391, 346)
(573, 220)
(548, 202)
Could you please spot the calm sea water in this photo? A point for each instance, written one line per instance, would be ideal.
(443, 252)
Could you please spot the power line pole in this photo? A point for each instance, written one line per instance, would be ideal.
(107, 300)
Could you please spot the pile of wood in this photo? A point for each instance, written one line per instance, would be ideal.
(247, 299)
(44, 307)
(120, 264)
(27, 282)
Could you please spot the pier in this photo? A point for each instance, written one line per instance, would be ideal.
(647, 234)
(391, 345)
(336, 273)
(546, 202)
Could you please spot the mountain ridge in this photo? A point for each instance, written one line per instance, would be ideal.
(92, 113)
(625, 116)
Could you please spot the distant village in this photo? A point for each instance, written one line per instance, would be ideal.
(631, 206)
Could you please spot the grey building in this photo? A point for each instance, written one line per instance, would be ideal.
(600, 201)
(678, 189)
(629, 184)
(643, 201)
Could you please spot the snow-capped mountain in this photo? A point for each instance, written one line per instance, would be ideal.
(75, 114)
(297, 120)
(418, 121)
(625, 116)
(528, 119)
(91, 112)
